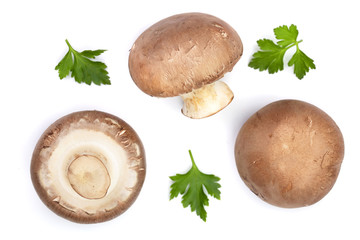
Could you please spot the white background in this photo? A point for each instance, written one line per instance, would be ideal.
(32, 41)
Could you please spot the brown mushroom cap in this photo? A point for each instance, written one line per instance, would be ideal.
(183, 52)
(289, 153)
(88, 166)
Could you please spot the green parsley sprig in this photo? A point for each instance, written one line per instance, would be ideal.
(271, 55)
(192, 185)
(82, 68)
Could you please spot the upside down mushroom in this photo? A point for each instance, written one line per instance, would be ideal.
(88, 166)
(289, 153)
(185, 55)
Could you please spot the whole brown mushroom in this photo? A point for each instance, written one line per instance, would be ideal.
(88, 166)
(185, 55)
(289, 153)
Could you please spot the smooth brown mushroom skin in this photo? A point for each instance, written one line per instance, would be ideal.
(183, 52)
(95, 121)
(289, 153)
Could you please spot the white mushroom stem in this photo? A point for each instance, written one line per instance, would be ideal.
(207, 100)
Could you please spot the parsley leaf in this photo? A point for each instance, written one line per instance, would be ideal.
(287, 36)
(82, 68)
(271, 55)
(192, 185)
(301, 62)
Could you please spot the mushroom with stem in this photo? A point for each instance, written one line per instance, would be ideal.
(185, 55)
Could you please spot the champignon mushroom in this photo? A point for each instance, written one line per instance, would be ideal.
(185, 55)
(289, 153)
(88, 166)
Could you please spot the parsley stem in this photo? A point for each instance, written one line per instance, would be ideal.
(70, 47)
(67, 42)
(296, 43)
(192, 160)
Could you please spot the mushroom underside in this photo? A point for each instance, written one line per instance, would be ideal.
(88, 166)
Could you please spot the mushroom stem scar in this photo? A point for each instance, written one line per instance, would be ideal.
(207, 100)
(89, 177)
